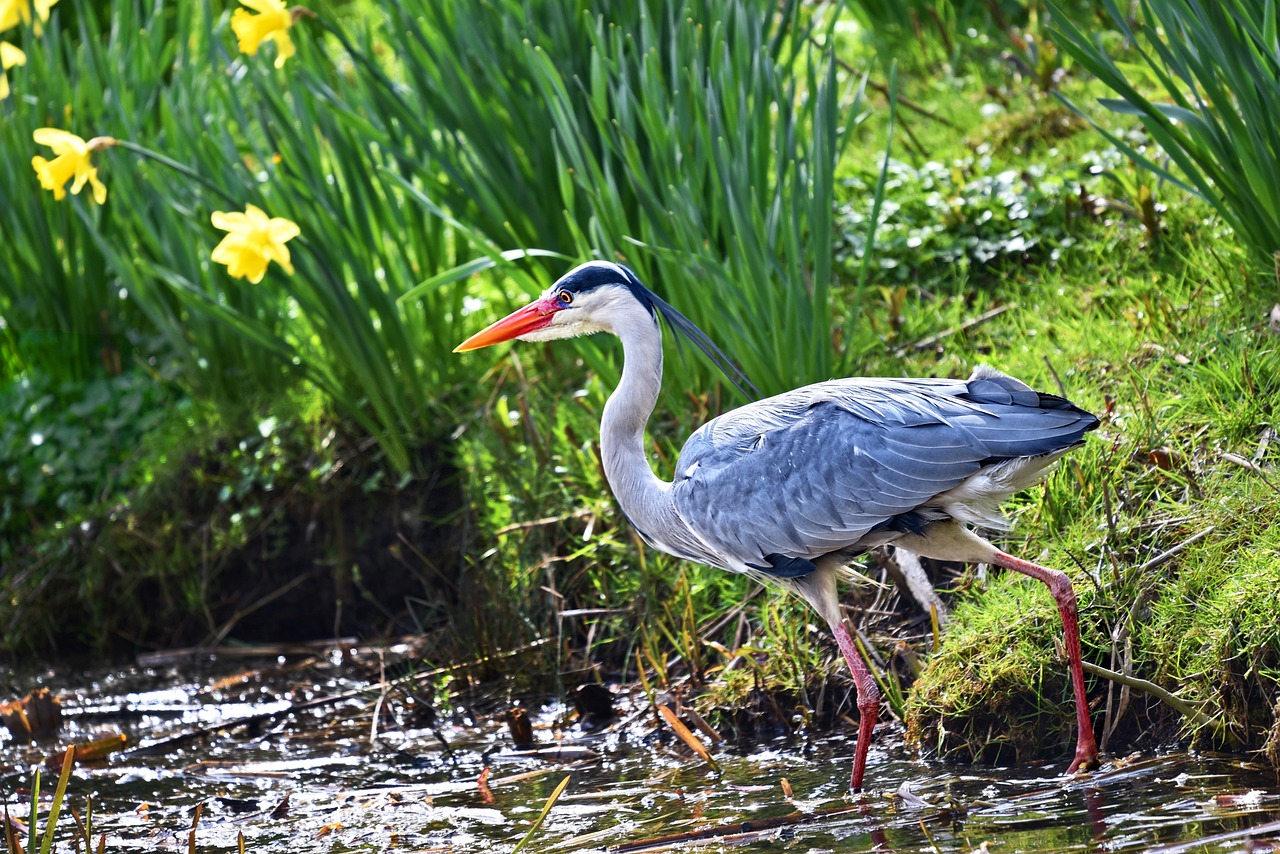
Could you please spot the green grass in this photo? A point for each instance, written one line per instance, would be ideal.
(1156, 330)
(1168, 348)
(1008, 234)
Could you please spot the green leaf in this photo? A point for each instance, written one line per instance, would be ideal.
(470, 268)
(542, 816)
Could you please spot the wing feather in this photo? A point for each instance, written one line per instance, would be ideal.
(821, 468)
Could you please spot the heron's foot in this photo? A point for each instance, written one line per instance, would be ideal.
(1086, 760)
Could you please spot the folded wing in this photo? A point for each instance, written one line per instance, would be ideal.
(843, 465)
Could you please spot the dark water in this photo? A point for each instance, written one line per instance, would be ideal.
(632, 786)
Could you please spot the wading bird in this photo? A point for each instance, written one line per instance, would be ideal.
(793, 487)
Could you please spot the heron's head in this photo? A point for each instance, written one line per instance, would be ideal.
(600, 296)
(593, 297)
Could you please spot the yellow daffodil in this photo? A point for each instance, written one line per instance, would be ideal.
(270, 24)
(9, 57)
(14, 12)
(71, 162)
(252, 242)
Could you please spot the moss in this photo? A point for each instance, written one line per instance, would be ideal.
(1214, 632)
(997, 689)
(1044, 122)
(1202, 625)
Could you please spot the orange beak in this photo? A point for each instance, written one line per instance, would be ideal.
(531, 318)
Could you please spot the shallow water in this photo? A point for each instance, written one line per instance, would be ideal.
(632, 786)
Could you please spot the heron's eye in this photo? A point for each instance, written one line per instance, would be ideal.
(565, 298)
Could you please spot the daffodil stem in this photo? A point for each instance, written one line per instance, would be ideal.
(178, 167)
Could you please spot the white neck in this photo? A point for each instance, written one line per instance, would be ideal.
(643, 497)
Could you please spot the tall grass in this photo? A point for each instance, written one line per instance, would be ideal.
(1217, 62)
(58, 300)
(697, 142)
(695, 139)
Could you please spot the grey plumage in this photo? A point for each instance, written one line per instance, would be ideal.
(790, 488)
(846, 465)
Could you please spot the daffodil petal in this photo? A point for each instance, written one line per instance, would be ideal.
(284, 47)
(281, 230)
(256, 217)
(226, 249)
(99, 188)
(60, 141)
(11, 55)
(9, 14)
(271, 24)
(249, 31)
(279, 253)
(233, 221)
(257, 273)
(253, 241)
(82, 176)
(52, 174)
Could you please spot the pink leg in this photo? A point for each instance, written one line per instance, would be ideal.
(868, 701)
(1065, 595)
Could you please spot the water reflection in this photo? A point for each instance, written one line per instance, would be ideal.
(329, 780)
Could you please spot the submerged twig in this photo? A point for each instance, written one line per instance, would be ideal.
(1205, 842)
(924, 828)
(537, 822)
(382, 698)
(195, 822)
(687, 736)
(735, 829)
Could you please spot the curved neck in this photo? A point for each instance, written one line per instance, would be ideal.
(640, 493)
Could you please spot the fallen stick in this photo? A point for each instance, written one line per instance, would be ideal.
(932, 340)
(168, 656)
(1166, 555)
(1187, 710)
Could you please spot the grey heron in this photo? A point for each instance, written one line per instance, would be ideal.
(791, 488)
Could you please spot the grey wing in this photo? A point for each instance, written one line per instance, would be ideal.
(818, 485)
(818, 470)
